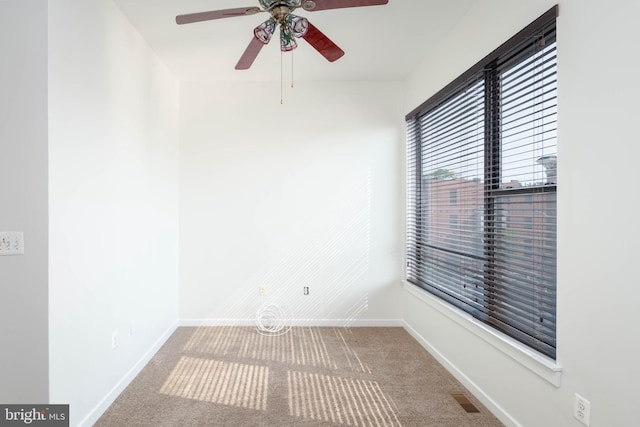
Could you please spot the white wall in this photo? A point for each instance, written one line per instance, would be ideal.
(113, 171)
(293, 195)
(23, 200)
(598, 332)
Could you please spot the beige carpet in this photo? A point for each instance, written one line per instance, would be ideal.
(229, 376)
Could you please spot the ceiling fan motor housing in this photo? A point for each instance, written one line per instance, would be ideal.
(270, 4)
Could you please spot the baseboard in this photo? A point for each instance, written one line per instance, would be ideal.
(355, 323)
(483, 397)
(106, 401)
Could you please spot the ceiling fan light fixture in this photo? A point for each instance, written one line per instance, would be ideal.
(287, 41)
(297, 24)
(264, 31)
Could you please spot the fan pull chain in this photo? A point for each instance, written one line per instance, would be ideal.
(281, 79)
(291, 69)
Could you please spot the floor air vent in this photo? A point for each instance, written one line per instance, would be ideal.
(465, 403)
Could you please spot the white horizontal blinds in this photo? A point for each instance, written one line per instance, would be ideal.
(481, 203)
(523, 281)
(522, 286)
(528, 114)
(452, 165)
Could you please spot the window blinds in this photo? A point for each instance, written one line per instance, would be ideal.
(481, 189)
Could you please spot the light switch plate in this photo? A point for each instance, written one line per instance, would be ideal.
(11, 243)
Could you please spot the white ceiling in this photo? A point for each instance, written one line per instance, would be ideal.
(380, 42)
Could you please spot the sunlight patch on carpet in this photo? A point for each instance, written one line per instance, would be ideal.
(344, 401)
(214, 381)
(303, 346)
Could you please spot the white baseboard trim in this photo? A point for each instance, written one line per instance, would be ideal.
(483, 397)
(345, 323)
(106, 401)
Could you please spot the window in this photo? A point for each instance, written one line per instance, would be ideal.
(453, 196)
(528, 223)
(486, 143)
(453, 222)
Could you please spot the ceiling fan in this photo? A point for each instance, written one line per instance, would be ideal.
(291, 26)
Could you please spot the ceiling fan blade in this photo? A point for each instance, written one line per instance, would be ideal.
(315, 5)
(250, 54)
(216, 14)
(322, 44)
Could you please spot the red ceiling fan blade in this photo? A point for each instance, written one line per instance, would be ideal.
(250, 54)
(322, 44)
(338, 4)
(216, 14)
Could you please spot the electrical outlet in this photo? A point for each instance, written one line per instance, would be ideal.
(582, 409)
(305, 290)
(114, 339)
(11, 243)
(263, 290)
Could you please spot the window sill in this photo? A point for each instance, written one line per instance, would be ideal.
(542, 366)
